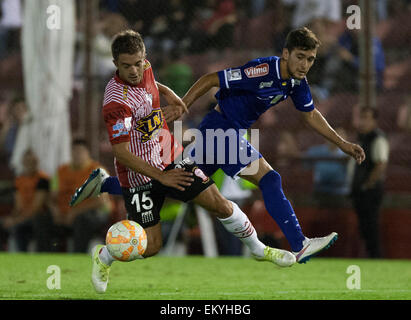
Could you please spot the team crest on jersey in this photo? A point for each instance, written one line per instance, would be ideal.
(257, 71)
(199, 173)
(234, 74)
(119, 129)
(150, 125)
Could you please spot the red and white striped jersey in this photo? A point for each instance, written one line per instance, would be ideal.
(132, 114)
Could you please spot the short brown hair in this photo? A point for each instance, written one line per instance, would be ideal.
(372, 110)
(302, 38)
(79, 142)
(127, 41)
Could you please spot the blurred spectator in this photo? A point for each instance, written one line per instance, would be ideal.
(404, 114)
(31, 218)
(257, 7)
(179, 16)
(107, 27)
(337, 66)
(177, 74)
(13, 119)
(82, 222)
(329, 165)
(286, 149)
(174, 15)
(367, 188)
(10, 26)
(348, 52)
(382, 9)
(306, 11)
(140, 14)
(214, 29)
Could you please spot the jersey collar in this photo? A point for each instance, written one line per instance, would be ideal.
(292, 81)
(277, 68)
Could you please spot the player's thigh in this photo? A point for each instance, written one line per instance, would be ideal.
(202, 191)
(143, 203)
(201, 182)
(213, 201)
(255, 171)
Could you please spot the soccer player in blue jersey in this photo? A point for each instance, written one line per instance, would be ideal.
(245, 93)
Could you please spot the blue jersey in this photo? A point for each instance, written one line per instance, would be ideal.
(248, 91)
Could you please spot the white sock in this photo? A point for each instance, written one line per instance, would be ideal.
(105, 256)
(239, 225)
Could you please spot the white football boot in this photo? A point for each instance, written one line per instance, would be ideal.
(91, 187)
(100, 271)
(281, 258)
(313, 246)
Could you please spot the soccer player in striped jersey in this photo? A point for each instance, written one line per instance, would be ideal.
(135, 125)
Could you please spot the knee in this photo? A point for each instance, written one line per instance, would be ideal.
(223, 208)
(272, 178)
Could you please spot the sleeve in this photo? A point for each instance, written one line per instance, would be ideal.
(43, 184)
(118, 120)
(301, 96)
(244, 77)
(380, 150)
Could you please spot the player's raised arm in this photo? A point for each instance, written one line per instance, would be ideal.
(200, 87)
(316, 121)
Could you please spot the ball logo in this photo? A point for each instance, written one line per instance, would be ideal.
(126, 240)
(257, 71)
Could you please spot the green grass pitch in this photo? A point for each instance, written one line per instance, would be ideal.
(24, 276)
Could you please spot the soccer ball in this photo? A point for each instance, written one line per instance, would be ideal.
(126, 240)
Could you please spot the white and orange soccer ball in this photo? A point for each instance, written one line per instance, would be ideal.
(126, 240)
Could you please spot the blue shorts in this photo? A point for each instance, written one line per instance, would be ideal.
(222, 146)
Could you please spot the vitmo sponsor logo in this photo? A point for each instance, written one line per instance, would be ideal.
(257, 71)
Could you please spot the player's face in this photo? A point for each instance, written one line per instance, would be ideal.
(131, 67)
(367, 122)
(80, 155)
(299, 62)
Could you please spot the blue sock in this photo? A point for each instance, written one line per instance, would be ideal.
(281, 210)
(112, 186)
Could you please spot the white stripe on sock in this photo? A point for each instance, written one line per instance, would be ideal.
(240, 226)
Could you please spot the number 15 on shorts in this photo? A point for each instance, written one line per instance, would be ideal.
(145, 202)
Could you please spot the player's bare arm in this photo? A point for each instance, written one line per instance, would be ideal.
(176, 178)
(176, 107)
(199, 88)
(316, 121)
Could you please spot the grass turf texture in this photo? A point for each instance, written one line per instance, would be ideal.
(24, 276)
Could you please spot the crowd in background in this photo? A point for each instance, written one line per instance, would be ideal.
(186, 39)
